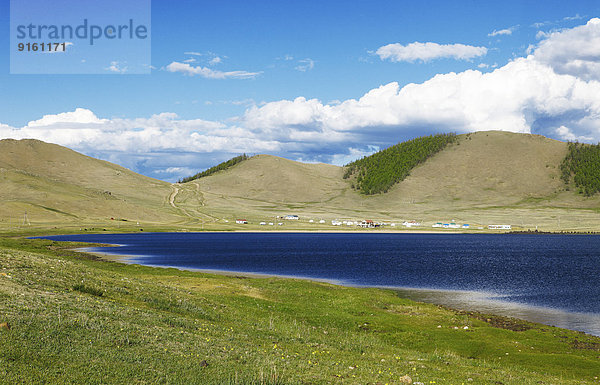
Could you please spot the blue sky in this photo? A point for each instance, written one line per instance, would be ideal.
(227, 77)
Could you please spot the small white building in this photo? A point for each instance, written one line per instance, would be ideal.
(322, 221)
(241, 221)
(438, 224)
(310, 221)
(262, 223)
(410, 224)
(335, 222)
(466, 226)
(291, 217)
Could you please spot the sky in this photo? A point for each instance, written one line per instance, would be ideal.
(313, 81)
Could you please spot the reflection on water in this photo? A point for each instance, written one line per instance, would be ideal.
(492, 304)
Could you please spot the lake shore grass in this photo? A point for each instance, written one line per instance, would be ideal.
(73, 318)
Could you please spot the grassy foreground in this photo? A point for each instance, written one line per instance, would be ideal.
(74, 319)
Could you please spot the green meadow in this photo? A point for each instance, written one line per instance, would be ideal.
(73, 319)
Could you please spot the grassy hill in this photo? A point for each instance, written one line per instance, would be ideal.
(220, 167)
(480, 178)
(270, 184)
(376, 173)
(55, 185)
(489, 168)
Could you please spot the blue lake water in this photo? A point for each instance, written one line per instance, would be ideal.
(553, 279)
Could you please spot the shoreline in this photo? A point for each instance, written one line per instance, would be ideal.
(36, 231)
(459, 300)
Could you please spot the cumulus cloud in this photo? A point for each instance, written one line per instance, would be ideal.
(426, 52)
(573, 51)
(80, 115)
(567, 134)
(82, 129)
(521, 95)
(209, 73)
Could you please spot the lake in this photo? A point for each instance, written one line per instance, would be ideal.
(552, 279)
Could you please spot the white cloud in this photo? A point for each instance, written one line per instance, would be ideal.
(485, 65)
(305, 65)
(215, 60)
(243, 102)
(539, 35)
(175, 170)
(521, 95)
(82, 129)
(571, 18)
(541, 24)
(353, 154)
(505, 31)
(567, 134)
(79, 116)
(557, 22)
(192, 53)
(573, 51)
(115, 66)
(426, 52)
(209, 73)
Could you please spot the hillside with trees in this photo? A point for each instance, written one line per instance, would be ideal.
(377, 173)
(582, 166)
(220, 167)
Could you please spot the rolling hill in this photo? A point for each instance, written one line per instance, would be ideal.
(480, 178)
(55, 185)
